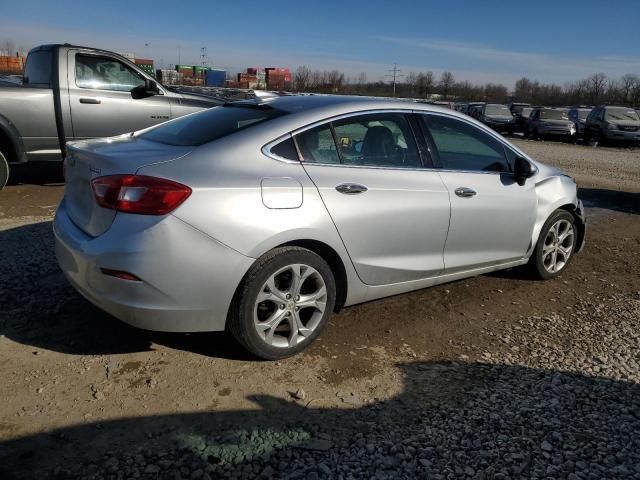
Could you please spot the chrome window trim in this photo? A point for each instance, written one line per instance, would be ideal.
(266, 149)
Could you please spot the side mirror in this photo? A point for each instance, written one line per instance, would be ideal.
(147, 89)
(522, 170)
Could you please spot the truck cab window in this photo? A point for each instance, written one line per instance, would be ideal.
(104, 73)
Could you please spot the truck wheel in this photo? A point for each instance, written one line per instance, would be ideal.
(4, 171)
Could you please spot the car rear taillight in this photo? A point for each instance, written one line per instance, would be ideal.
(139, 194)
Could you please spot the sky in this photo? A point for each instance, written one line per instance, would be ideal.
(480, 41)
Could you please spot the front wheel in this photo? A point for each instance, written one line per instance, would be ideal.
(283, 303)
(555, 247)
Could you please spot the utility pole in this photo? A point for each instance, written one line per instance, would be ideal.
(395, 73)
(203, 56)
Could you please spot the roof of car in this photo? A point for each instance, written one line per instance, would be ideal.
(347, 103)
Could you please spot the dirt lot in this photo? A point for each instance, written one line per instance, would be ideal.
(498, 376)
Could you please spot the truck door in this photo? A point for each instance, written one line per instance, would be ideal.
(100, 97)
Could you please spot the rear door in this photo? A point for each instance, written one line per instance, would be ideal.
(100, 98)
(492, 216)
(391, 213)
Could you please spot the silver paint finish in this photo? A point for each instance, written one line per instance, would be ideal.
(281, 192)
(408, 230)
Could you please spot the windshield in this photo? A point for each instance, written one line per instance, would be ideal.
(217, 122)
(526, 111)
(583, 114)
(554, 115)
(621, 114)
(498, 110)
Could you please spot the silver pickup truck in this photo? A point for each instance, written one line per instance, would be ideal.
(72, 93)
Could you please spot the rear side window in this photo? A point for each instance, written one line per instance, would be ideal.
(317, 145)
(285, 149)
(462, 146)
(377, 140)
(210, 125)
(37, 71)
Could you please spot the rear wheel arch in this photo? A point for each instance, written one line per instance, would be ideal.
(335, 262)
(10, 143)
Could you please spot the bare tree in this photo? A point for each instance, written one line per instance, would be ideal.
(447, 80)
(425, 84)
(301, 78)
(597, 84)
(627, 85)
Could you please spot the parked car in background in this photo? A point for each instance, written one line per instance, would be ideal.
(71, 93)
(521, 118)
(615, 124)
(578, 115)
(547, 122)
(472, 108)
(264, 217)
(517, 106)
(496, 116)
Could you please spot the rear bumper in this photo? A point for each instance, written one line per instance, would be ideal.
(187, 278)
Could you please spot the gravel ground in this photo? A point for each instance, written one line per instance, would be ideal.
(542, 408)
(493, 377)
(599, 167)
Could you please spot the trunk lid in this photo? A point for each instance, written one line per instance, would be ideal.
(87, 160)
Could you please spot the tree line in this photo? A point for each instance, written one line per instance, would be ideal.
(596, 89)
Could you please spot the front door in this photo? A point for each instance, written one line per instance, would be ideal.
(492, 217)
(100, 98)
(391, 213)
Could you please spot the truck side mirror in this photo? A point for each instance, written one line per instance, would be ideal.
(148, 89)
(522, 170)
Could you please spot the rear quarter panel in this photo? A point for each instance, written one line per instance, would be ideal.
(227, 201)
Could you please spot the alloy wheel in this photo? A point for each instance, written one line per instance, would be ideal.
(558, 246)
(290, 305)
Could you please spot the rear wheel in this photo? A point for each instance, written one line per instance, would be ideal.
(555, 247)
(283, 303)
(4, 171)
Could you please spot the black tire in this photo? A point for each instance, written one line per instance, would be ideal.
(537, 260)
(4, 171)
(241, 315)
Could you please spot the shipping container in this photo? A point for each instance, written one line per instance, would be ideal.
(215, 78)
(12, 65)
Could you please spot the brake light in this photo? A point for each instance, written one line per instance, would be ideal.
(139, 194)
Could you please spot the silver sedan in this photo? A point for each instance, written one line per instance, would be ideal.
(263, 217)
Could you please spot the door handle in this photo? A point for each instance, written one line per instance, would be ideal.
(90, 101)
(465, 192)
(351, 188)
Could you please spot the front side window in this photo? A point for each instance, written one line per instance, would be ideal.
(103, 73)
(461, 146)
(377, 140)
